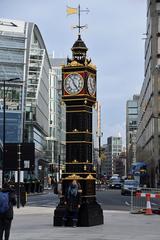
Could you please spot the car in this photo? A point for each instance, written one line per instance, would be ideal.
(130, 186)
(115, 183)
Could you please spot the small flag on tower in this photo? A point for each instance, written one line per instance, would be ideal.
(71, 10)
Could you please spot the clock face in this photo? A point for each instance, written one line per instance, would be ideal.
(73, 83)
(91, 84)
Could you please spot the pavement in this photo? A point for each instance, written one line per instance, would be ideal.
(36, 223)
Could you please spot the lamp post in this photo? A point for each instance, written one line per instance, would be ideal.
(4, 123)
(18, 176)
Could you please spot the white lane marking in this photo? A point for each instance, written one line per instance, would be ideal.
(127, 203)
(155, 204)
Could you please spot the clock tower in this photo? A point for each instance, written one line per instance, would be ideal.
(79, 95)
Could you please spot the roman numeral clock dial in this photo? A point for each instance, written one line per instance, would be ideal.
(73, 83)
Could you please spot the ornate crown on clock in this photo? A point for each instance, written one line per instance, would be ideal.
(79, 74)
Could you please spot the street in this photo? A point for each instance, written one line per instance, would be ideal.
(109, 200)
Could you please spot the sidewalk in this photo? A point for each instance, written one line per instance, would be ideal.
(36, 223)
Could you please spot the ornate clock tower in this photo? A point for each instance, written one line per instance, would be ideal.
(79, 96)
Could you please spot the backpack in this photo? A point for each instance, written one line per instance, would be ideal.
(4, 202)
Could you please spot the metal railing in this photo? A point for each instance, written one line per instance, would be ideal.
(138, 200)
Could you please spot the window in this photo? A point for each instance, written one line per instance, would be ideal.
(132, 111)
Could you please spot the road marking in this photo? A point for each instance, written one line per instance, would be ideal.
(155, 204)
(127, 203)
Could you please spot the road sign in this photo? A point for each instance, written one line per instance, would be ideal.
(27, 156)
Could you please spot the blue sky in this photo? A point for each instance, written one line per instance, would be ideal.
(114, 38)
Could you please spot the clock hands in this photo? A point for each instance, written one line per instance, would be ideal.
(73, 81)
(91, 85)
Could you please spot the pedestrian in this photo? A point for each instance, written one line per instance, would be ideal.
(55, 186)
(49, 182)
(72, 200)
(53, 182)
(7, 201)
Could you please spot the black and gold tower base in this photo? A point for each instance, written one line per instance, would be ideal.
(90, 212)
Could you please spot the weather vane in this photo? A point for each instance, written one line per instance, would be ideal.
(78, 11)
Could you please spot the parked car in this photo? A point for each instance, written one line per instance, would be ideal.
(115, 183)
(130, 186)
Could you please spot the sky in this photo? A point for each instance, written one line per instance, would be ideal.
(115, 41)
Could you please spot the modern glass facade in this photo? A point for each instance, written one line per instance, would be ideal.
(13, 127)
(57, 118)
(23, 55)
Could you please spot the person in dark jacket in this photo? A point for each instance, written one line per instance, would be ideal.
(72, 201)
(7, 217)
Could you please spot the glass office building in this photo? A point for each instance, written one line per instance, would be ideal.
(56, 147)
(23, 55)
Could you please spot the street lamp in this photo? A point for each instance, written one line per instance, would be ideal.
(59, 167)
(4, 123)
